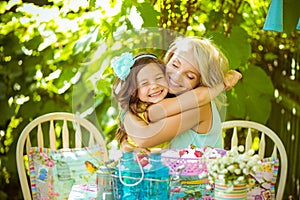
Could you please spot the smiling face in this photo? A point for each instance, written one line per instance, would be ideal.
(181, 72)
(152, 85)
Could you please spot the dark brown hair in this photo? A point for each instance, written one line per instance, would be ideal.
(126, 91)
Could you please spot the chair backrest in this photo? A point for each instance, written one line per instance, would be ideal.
(251, 127)
(81, 129)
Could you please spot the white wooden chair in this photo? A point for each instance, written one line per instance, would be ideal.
(252, 127)
(81, 131)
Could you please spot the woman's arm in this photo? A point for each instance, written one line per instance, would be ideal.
(158, 132)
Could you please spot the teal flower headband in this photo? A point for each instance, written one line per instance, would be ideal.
(122, 64)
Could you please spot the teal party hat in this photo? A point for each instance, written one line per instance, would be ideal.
(274, 20)
(298, 25)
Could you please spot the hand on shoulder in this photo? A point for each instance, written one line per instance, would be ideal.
(231, 79)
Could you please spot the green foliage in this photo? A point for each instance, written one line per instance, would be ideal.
(236, 47)
(251, 98)
(56, 57)
(40, 64)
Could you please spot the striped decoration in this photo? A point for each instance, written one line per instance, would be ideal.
(275, 172)
(239, 191)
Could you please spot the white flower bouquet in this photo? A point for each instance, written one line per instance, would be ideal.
(233, 168)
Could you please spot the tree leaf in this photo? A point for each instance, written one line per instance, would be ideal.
(84, 44)
(256, 78)
(236, 47)
(252, 96)
(148, 14)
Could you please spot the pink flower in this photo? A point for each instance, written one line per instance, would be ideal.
(45, 156)
(50, 163)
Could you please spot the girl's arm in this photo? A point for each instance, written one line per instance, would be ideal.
(191, 99)
(164, 130)
(186, 101)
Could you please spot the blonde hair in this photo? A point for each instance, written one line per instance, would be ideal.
(210, 60)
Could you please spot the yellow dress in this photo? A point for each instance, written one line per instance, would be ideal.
(141, 115)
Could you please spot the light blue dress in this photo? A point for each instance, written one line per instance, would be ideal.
(213, 138)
